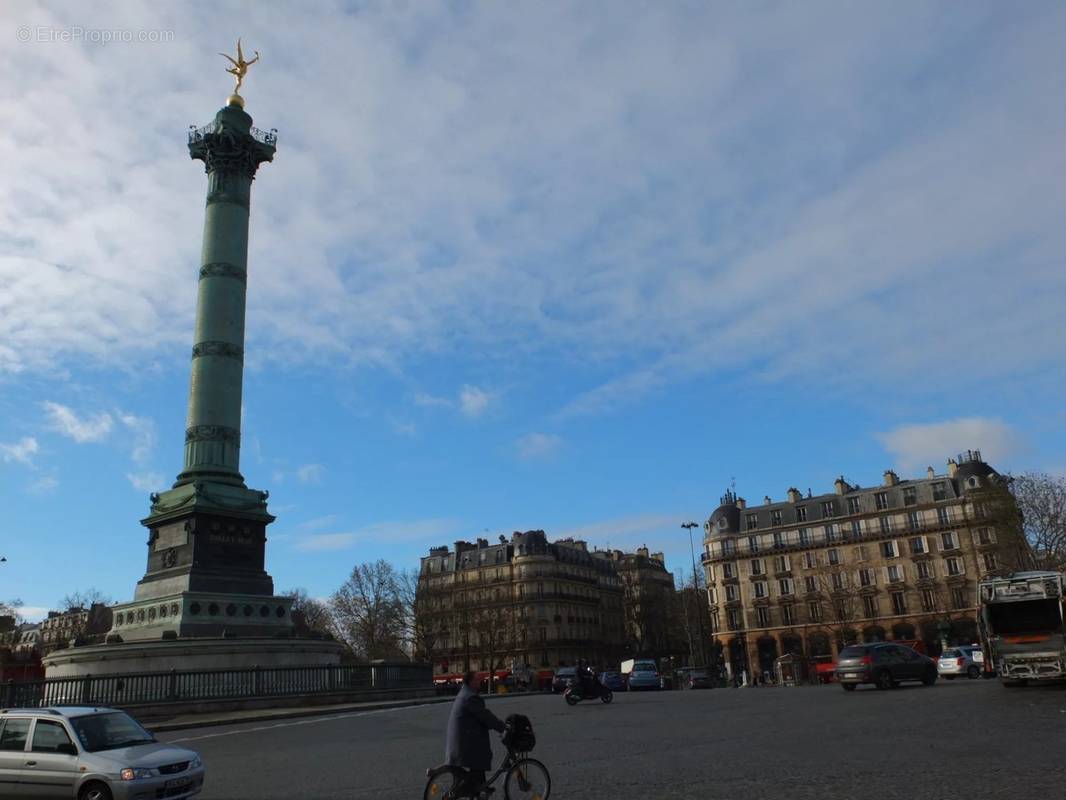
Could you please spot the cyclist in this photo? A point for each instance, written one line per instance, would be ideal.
(467, 743)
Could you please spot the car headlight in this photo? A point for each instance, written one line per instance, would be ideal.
(132, 774)
(196, 763)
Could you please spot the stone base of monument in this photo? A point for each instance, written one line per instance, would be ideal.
(186, 655)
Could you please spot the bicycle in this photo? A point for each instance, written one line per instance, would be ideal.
(526, 778)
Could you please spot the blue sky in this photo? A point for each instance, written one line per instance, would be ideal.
(572, 266)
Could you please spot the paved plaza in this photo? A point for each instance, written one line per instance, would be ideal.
(970, 739)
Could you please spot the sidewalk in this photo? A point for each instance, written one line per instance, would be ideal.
(209, 720)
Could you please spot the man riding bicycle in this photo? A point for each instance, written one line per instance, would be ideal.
(467, 743)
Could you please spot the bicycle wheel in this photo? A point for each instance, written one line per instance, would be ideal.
(443, 785)
(527, 779)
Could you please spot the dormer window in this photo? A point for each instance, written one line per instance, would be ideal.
(775, 517)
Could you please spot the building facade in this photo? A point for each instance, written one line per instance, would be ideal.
(60, 628)
(899, 561)
(525, 601)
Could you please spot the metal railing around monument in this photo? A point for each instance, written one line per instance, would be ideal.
(230, 684)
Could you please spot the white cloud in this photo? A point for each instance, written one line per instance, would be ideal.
(473, 401)
(836, 161)
(21, 451)
(538, 445)
(317, 522)
(931, 444)
(310, 473)
(93, 428)
(428, 400)
(625, 529)
(44, 485)
(146, 481)
(425, 531)
(144, 438)
(402, 428)
(33, 613)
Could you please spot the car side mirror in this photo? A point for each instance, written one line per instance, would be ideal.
(67, 749)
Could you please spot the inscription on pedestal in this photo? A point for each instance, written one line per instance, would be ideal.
(171, 536)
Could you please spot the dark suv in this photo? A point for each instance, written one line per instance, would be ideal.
(883, 664)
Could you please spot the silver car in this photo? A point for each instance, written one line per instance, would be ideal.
(967, 660)
(90, 754)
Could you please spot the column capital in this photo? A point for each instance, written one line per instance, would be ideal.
(230, 144)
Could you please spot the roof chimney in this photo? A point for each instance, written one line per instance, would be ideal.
(953, 467)
(794, 495)
(929, 472)
(766, 500)
(841, 485)
(891, 478)
(742, 503)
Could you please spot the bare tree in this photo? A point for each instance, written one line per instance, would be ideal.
(1039, 510)
(494, 628)
(97, 620)
(83, 599)
(308, 614)
(10, 608)
(367, 611)
(425, 615)
(648, 613)
(837, 599)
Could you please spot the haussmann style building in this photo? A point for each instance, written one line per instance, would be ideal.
(899, 561)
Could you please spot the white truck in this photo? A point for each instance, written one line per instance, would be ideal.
(1023, 631)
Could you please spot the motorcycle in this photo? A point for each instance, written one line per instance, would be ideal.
(593, 689)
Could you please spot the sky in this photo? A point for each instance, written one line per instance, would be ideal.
(578, 266)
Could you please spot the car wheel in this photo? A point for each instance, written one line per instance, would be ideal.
(884, 680)
(848, 687)
(930, 677)
(94, 791)
(973, 673)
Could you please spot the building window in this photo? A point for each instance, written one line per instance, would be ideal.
(853, 505)
(779, 540)
(889, 549)
(788, 614)
(928, 600)
(925, 569)
(838, 581)
(810, 560)
(958, 598)
(830, 533)
(775, 517)
(833, 555)
(804, 536)
(757, 567)
(814, 611)
(866, 577)
(990, 561)
(861, 553)
(943, 517)
(899, 603)
(984, 536)
(948, 541)
(910, 496)
(801, 513)
(734, 620)
(760, 589)
(732, 593)
(782, 563)
(856, 528)
(869, 606)
(828, 509)
(881, 499)
(753, 521)
(914, 520)
(785, 586)
(729, 548)
(810, 584)
(762, 614)
(886, 524)
(940, 491)
(753, 544)
(918, 546)
(729, 570)
(894, 573)
(954, 566)
(710, 573)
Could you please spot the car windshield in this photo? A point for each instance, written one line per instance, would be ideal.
(852, 652)
(950, 654)
(109, 731)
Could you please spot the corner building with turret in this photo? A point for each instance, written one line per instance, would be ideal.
(900, 561)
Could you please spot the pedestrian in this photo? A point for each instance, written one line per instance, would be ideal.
(467, 744)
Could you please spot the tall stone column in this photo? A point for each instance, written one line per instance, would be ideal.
(232, 151)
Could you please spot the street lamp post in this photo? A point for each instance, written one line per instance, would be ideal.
(696, 587)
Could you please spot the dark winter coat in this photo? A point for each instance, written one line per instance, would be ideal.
(468, 732)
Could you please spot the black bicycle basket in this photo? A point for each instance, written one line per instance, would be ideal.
(518, 735)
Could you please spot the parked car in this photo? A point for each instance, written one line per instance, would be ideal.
(884, 664)
(91, 754)
(645, 675)
(564, 676)
(613, 681)
(696, 679)
(966, 660)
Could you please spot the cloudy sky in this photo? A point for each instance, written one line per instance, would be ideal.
(572, 266)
